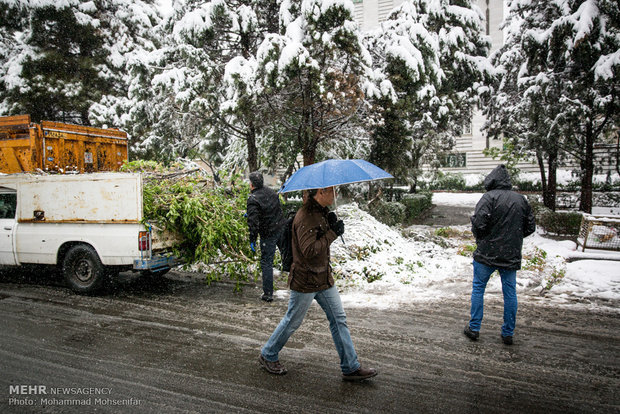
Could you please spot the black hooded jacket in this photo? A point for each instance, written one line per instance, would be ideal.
(500, 222)
(264, 213)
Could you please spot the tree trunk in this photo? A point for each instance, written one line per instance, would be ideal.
(252, 151)
(548, 177)
(308, 150)
(309, 155)
(543, 174)
(552, 183)
(587, 172)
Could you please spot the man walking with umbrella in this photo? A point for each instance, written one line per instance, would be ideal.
(310, 278)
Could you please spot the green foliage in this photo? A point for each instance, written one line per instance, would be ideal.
(394, 193)
(210, 220)
(371, 276)
(526, 185)
(145, 166)
(535, 261)
(291, 206)
(536, 205)
(416, 204)
(362, 252)
(447, 181)
(391, 213)
(561, 223)
(467, 250)
(556, 277)
(509, 155)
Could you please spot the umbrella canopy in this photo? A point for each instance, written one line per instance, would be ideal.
(333, 172)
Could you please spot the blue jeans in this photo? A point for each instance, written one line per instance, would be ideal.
(298, 305)
(267, 252)
(482, 273)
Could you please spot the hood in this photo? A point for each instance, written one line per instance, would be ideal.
(498, 179)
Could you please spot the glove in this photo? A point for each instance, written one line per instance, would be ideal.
(331, 219)
(338, 228)
(253, 246)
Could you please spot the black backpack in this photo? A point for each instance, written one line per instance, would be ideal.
(287, 243)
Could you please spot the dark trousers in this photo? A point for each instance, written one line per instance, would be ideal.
(267, 252)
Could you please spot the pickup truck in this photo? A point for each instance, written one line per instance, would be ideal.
(88, 225)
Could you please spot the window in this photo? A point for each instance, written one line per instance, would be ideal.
(454, 160)
(8, 205)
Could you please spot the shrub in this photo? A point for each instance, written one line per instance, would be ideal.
(449, 181)
(561, 223)
(525, 185)
(388, 212)
(416, 204)
(291, 206)
(536, 204)
(479, 186)
(395, 193)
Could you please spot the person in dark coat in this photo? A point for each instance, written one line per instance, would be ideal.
(500, 222)
(314, 229)
(265, 219)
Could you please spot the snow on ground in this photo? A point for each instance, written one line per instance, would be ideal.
(457, 199)
(380, 266)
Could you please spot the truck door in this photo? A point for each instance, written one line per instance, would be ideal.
(8, 204)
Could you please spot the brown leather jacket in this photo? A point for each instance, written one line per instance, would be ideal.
(311, 271)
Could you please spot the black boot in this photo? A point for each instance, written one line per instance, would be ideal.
(473, 335)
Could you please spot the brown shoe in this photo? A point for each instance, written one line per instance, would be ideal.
(360, 375)
(271, 367)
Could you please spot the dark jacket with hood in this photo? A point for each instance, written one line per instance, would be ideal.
(500, 222)
(312, 236)
(264, 213)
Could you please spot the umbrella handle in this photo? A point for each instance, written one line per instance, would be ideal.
(336, 208)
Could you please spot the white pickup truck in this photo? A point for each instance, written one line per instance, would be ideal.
(88, 225)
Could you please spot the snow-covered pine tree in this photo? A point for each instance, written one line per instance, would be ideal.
(315, 76)
(521, 109)
(557, 92)
(434, 53)
(128, 31)
(199, 83)
(61, 58)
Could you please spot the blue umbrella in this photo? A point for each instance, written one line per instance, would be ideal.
(333, 172)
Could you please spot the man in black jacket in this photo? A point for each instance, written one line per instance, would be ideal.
(264, 219)
(500, 222)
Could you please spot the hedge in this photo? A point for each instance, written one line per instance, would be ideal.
(561, 223)
(416, 204)
(388, 212)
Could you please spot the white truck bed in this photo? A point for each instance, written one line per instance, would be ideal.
(101, 212)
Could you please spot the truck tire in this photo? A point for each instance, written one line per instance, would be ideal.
(83, 269)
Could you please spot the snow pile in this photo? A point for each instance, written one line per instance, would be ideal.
(377, 266)
(377, 260)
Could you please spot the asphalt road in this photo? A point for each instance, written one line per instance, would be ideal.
(183, 346)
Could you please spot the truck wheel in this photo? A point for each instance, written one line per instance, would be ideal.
(83, 269)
